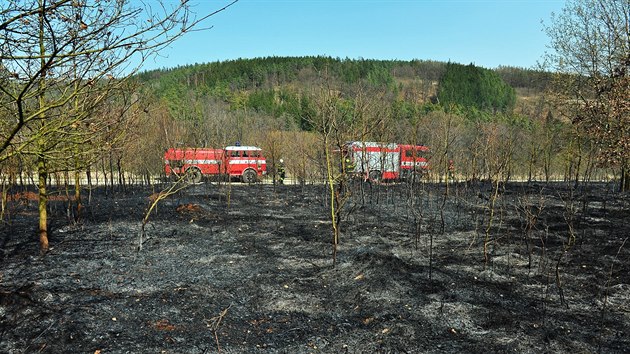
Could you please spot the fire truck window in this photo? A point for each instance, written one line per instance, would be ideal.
(256, 153)
(234, 153)
(414, 153)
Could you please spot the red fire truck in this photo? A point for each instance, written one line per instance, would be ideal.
(386, 161)
(244, 162)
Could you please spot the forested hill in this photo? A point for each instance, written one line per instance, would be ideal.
(281, 86)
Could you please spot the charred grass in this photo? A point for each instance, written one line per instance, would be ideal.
(249, 269)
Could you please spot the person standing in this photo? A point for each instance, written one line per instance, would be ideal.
(281, 172)
(451, 170)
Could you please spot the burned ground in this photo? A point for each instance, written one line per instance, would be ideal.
(249, 269)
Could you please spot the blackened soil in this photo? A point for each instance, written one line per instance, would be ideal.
(246, 269)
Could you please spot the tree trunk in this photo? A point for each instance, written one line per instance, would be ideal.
(624, 185)
(577, 170)
(104, 170)
(43, 204)
(42, 169)
(121, 175)
(88, 175)
(77, 193)
(111, 171)
(547, 167)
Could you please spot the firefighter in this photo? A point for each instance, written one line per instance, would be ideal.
(451, 170)
(349, 165)
(281, 172)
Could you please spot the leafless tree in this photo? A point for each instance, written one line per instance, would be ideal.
(62, 61)
(590, 43)
(332, 130)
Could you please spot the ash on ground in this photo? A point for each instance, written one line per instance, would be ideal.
(534, 268)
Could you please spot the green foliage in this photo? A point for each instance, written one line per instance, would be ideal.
(475, 88)
(410, 111)
(266, 73)
(380, 77)
(262, 101)
(277, 103)
(281, 87)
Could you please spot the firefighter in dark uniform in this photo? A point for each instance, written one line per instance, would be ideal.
(281, 172)
(349, 165)
(451, 170)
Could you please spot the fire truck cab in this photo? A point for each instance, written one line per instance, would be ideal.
(386, 161)
(244, 162)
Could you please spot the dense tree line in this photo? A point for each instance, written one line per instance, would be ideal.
(279, 86)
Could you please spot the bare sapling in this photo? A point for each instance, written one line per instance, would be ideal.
(339, 194)
(413, 193)
(570, 215)
(491, 207)
(498, 156)
(174, 188)
(606, 291)
(215, 323)
(445, 163)
(530, 215)
(332, 129)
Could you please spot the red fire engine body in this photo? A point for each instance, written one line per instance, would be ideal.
(386, 161)
(244, 162)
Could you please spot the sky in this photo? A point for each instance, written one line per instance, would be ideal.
(487, 33)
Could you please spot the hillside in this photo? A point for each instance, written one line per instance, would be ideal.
(279, 85)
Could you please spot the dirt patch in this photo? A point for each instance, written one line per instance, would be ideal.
(249, 269)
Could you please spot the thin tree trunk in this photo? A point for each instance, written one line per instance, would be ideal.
(121, 176)
(104, 170)
(111, 171)
(42, 205)
(42, 169)
(625, 179)
(77, 193)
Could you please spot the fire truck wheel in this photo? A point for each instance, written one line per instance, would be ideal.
(375, 176)
(249, 176)
(193, 175)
